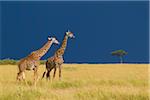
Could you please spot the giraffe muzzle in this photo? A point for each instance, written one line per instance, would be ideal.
(73, 36)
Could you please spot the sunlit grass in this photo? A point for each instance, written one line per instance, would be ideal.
(79, 82)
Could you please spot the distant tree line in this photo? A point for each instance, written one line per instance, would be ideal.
(15, 62)
(118, 53)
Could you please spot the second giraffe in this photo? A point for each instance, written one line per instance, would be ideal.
(57, 60)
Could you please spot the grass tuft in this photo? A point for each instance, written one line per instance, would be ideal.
(65, 84)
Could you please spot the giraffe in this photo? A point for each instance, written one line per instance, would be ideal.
(57, 60)
(31, 62)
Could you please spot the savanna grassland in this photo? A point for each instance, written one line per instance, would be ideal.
(79, 82)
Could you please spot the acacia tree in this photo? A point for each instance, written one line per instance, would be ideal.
(120, 54)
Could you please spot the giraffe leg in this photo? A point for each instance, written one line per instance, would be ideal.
(19, 76)
(60, 67)
(43, 74)
(35, 75)
(48, 75)
(23, 77)
(54, 72)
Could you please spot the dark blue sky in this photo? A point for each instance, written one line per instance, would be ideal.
(100, 27)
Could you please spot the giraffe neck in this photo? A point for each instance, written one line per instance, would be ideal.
(61, 50)
(42, 51)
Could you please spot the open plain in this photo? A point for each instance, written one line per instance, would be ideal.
(79, 82)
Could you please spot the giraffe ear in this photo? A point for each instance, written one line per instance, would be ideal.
(67, 32)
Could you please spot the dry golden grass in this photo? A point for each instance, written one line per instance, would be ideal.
(80, 82)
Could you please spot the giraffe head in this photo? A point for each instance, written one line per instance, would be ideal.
(53, 39)
(70, 34)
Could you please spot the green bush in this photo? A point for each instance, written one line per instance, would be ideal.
(14, 62)
(42, 62)
(8, 61)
